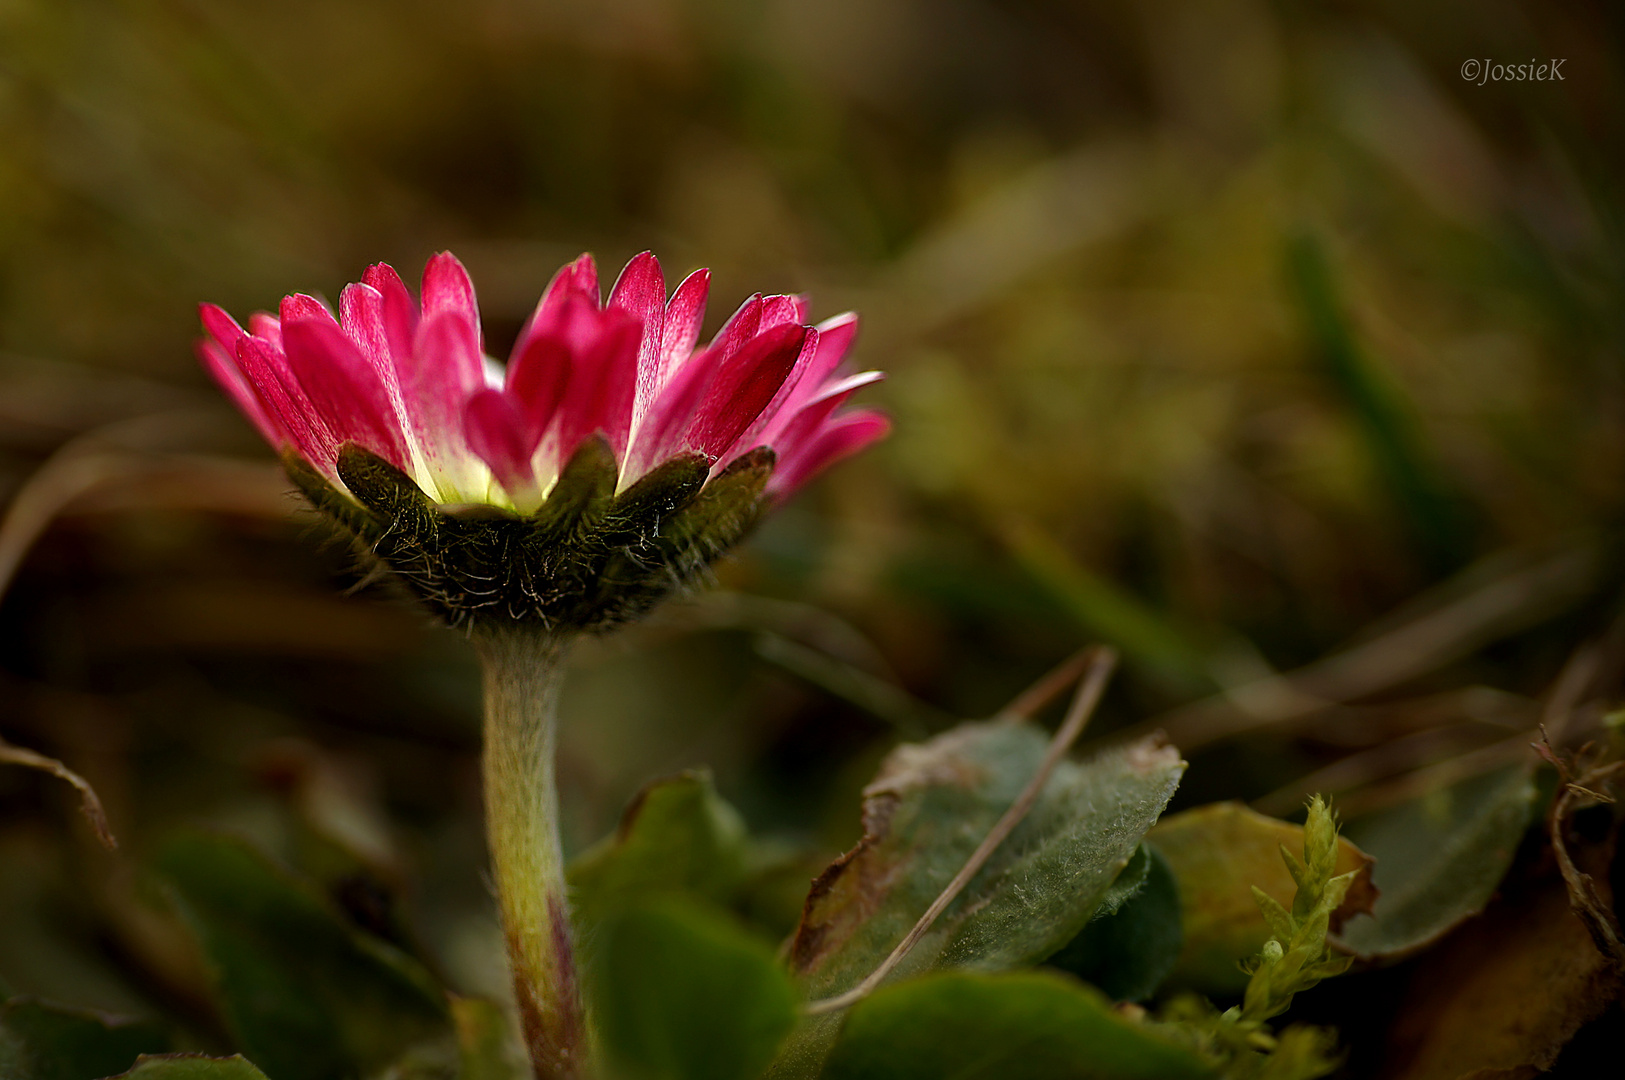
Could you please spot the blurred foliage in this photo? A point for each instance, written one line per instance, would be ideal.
(1249, 337)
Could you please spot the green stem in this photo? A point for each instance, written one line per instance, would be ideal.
(523, 668)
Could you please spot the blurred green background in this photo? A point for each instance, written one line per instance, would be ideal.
(1237, 334)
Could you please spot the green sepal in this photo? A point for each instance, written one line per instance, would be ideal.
(660, 492)
(330, 500)
(586, 559)
(385, 490)
(582, 494)
(730, 505)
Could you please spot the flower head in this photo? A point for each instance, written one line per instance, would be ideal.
(608, 461)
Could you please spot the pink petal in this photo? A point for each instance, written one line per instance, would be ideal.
(267, 327)
(539, 376)
(446, 287)
(220, 326)
(300, 306)
(579, 278)
(777, 310)
(684, 316)
(641, 291)
(445, 371)
(835, 337)
(361, 314)
(344, 388)
(661, 434)
(603, 381)
(285, 401)
(801, 428)
(842, 437)
(741, 326)
(775, 413)
(500, 432)
(220, 364)
(400, 313)
(744, 384)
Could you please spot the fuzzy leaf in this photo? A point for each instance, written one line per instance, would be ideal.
(927, 811)
(924, 815)
(1025, 1026)
(307, 996)
(39, 1041)
(1219, 853)
(1127, 951)
(681, 993)
(1439, 859)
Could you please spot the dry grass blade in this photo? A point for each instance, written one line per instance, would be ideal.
(115, 467)
(1414, 785)
(1401, 755)
(1444, 632)
(57, 485)
(89, 802)
(1048, 686)
(1567, 692)
(1101, 662)
(910, 716)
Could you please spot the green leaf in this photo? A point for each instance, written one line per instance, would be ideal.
(191, 1067)
(1219, 853)
(681, 992)
(1128, 951)
(1024, 1026)
(1439, 859)
(307, 996)
(39, 1041)
(677, 836)
(929, 809)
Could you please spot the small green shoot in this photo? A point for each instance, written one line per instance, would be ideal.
(1294, 959)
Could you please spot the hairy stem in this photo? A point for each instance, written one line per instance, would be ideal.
(523, 668)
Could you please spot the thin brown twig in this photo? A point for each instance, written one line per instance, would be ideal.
(1101, 661)
(1587, 902)
(1048, 686)
(89, 802)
